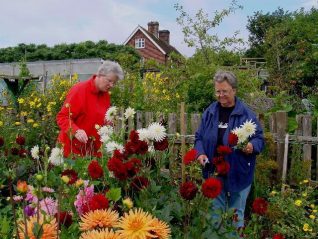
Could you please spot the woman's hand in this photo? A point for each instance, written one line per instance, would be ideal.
(203, 159)
(249, 148)
(81, 136)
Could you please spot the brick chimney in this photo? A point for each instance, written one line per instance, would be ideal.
(164, 35)
(153, 27)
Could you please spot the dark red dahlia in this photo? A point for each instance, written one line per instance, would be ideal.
(72, 174)
(223, 167)
(217, 160)
(138, 183)
(64, 218)
(233, 139)
(260, 206)
(20, 140)
(142, 147)
(278, 236)
(95, 170)
(118, 154)
(1, 141)
(133, 166)
(134, 136)
(190, 156)
(212, 187)
(23, 153)
(224, 150)
(14, 151)
(188, 190)
(131, 148)
(98, 201)
(161, 145)
(113, 163)
(121, 172)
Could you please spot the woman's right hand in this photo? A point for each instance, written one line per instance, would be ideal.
(203, 159)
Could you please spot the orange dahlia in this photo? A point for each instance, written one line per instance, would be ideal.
(49, 228)
(98, 219)
(101, 234)
(136, 224)
(161, 229)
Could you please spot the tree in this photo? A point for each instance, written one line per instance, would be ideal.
(292, 53)
(197, 30)
(258, 25)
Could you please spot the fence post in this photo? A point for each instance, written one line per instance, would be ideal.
(281, 127)
(183, 133)
(139, 120)
(195, 121)
(307, 131)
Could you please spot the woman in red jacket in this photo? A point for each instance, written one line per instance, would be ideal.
(85, 106)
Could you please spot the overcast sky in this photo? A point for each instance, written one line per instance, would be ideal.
(67, 21)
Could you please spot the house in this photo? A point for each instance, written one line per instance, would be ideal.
(152, 43)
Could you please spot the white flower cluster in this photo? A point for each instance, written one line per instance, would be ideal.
(112, 146)
(35, 152)
(246, 130)
(105, 132)
(155, 132)
(112, 113)
(56, 157)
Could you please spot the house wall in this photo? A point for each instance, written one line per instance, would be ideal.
(150, 51)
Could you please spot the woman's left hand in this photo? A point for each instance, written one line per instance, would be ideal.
(249, 148)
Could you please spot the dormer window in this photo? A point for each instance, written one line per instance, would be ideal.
(139, 43)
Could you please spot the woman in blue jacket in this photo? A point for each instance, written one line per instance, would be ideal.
(218, 120)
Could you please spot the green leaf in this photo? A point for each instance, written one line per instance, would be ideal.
(114, 194)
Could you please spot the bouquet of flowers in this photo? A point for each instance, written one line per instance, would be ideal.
(239, 137)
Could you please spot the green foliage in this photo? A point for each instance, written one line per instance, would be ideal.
(87, 49)
(258, 26)
(291, 53)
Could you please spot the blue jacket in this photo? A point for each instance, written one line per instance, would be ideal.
(242, 166)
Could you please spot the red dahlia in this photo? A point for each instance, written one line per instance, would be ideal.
(278, 236)
(134, 136)
(161, 145)
(188, 190)
(139, 183)
(14, 151)
(64, 218)
(95, 170)
(133, 166)
(260, 206)
(217, 160)
(23, 153)
(190, 156)
(211, 187)
(224, 150)
(20, 140)
(223, 167)
(98, 201)
(142, 147)
(233, 139)
(72, 174)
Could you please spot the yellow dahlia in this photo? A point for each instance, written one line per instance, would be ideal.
(101, 234)
(98, 219)
(136, 224)
(161, 229)
(49, 228)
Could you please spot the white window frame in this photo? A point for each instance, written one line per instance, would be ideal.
(140, 43)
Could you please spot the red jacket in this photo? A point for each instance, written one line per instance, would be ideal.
(83, 108)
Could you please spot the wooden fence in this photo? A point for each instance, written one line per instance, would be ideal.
(185, 125)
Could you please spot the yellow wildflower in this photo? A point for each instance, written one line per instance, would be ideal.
(65, 179)
(39, 105)
(21, 101)
(306, 181)
(23, 113)
(17, 123)
(79, 182)
(312, 206)
(1, 123)
(30, 121)
(35, 125)
(128, 203)
(304, 194)
(307, 228)
(272, 193)
(312, 216)
(298, 203)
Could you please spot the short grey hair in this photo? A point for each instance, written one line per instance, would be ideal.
(229, 77)
(111, 67)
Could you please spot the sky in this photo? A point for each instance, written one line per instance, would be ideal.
(54, 22)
